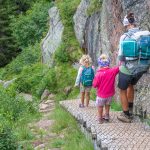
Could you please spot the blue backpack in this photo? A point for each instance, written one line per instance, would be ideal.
(137, 48)
(87, 76)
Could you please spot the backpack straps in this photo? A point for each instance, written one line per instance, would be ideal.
(128, 34)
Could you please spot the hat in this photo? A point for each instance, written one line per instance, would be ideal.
(125, 21)
(103, 61)
(129, 19)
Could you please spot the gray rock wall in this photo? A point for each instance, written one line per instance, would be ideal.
(87, 30)
(80, 19)
(53, 38)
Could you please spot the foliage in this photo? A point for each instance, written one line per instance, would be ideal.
(7, 141)
(12, 107)
(29, 27)
(8, 46)
(73, 138)
(34, 79)
(13, 111)
(93, 94)
(32, 76)
(65, 76)
(70, 46)
(61, 55)
(116, 106)
(95, 6)
(29, 56)
(23, 5)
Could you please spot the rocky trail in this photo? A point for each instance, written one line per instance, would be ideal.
(42, 129)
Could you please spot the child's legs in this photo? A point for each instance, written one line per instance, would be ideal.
(100, 104)
(107, 105)
(100, 112)
(107, 108)
(87, 95)
(82, 97)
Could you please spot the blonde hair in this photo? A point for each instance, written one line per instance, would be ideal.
(103, 61)
(86, 59)
(104, 57)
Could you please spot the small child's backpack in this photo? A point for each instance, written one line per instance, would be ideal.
(137, 46)
(87, 76)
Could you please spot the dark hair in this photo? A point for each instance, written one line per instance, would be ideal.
(131, 18)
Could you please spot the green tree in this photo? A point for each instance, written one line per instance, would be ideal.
(29, 27)
(8, 44)
(8, 47)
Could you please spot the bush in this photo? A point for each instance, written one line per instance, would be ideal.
(29, 78)
(29, 28)
(29, 56)
(12, 106)
(95, 6)
(7, 141)
(70, 47)
(36, 78)
(13, 110)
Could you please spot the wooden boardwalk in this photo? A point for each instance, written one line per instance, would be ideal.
(113, 135)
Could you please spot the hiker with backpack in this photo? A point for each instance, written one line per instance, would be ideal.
(134, 53)
(104, 82)
(84, 79)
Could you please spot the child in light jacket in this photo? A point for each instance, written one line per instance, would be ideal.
(85, 64)
(104, 82)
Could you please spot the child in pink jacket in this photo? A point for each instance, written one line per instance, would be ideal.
(104, 82)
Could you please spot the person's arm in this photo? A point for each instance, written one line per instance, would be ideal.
(95, 81)
(116, 70)
(77, 82)
(120, 53)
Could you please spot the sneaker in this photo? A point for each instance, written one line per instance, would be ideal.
(100, 121)
(81, 105)
(124, 118)
(106, 117)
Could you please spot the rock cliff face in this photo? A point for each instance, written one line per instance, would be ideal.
(101, 32)
(54, 36)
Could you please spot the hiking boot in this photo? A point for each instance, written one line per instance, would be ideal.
(124, 118)
(131, 111)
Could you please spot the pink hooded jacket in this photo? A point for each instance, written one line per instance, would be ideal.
(104, 81)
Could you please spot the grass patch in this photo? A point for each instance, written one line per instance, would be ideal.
(67, 126)
(116, 106)
(70, 47)
(58, 143)
(93, 94)
(95, 6)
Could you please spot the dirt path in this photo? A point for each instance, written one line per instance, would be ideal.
(42, 129)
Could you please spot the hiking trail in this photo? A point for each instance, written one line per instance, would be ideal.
(113, 135)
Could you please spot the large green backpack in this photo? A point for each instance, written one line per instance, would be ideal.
(87, 76)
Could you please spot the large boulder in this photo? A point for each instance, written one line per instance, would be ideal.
(54, 36)
(80, 19)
